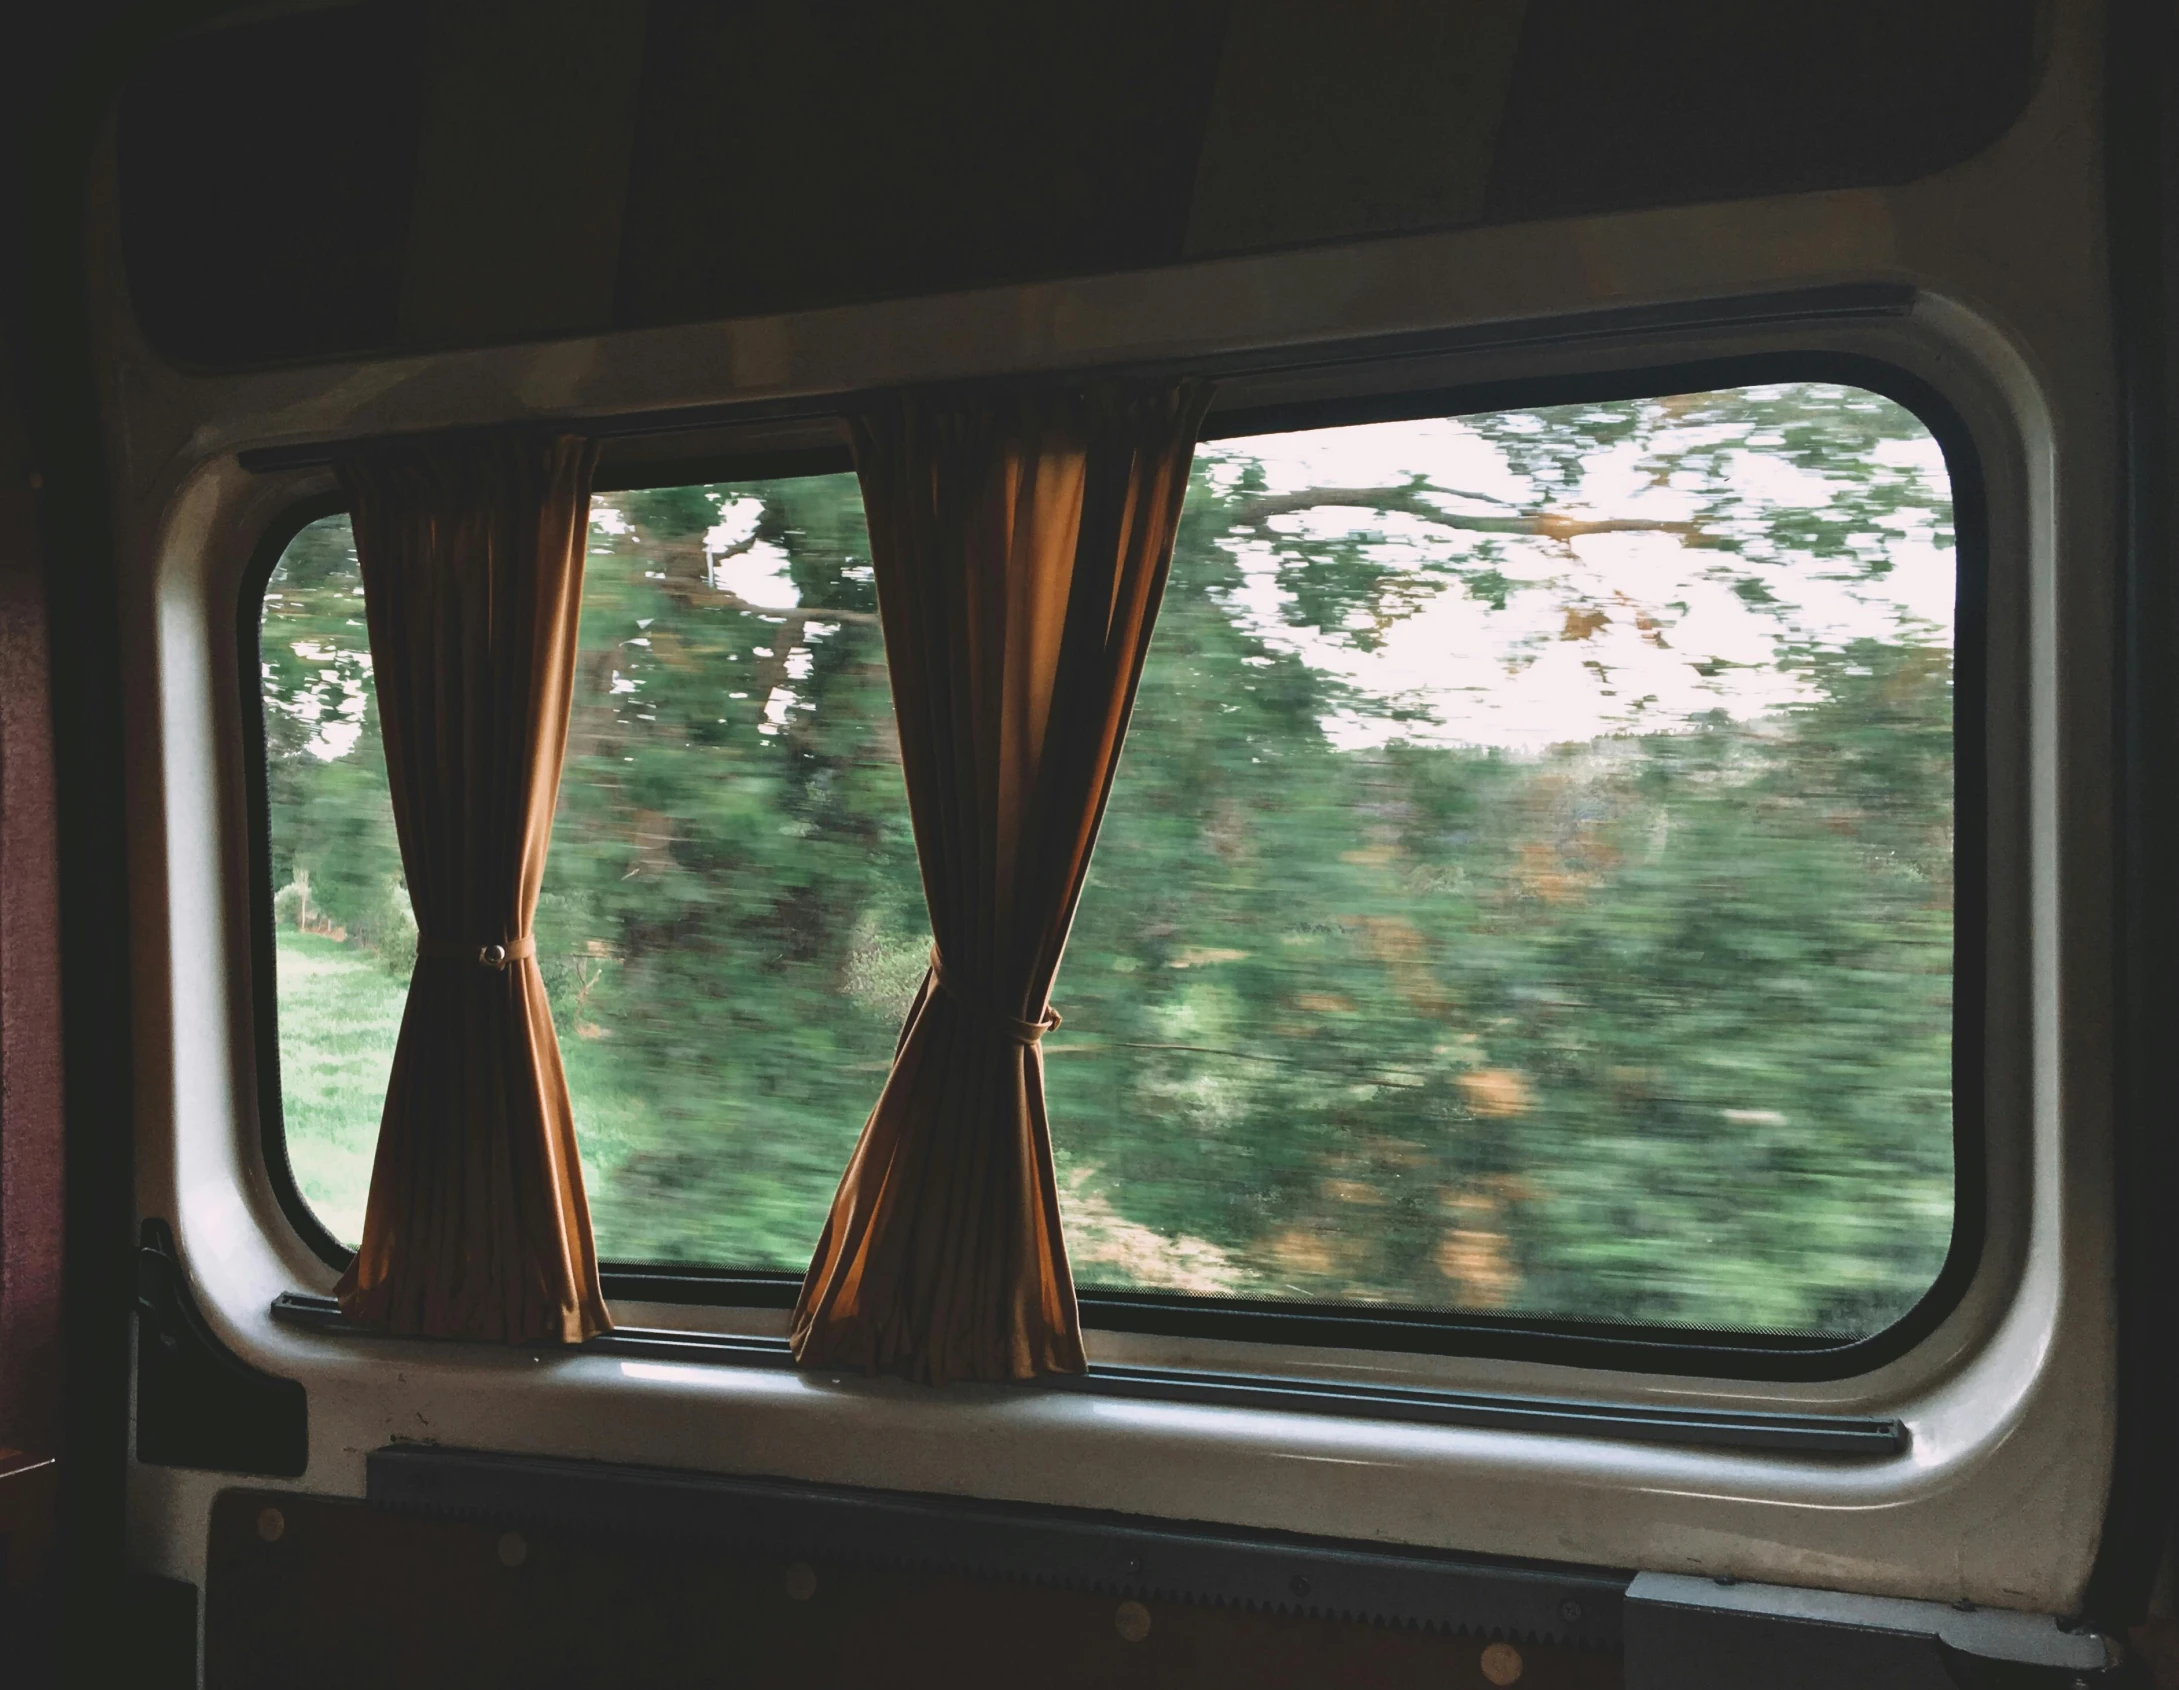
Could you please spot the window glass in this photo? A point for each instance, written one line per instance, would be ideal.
(732, 924)
(1527, 890)
(1529, 885)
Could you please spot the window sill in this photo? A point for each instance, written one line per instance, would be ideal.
(1862, 1437)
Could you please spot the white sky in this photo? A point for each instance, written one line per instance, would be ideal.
(1511, 678)
(336, 729)
(759, 574)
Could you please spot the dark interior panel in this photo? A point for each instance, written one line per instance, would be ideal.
(266, 174)
(1615, 107)
(304, 1590)
(796, 156)
(320, 184)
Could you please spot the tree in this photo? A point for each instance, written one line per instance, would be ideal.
(1615, 984)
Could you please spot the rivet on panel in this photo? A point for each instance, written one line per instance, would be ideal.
(270, 1524)
(513, 1549)
(1132, 1621)
(1501, 1663)
(801, 1580)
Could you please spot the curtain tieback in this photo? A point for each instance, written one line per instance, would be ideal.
(494, 956)
(1013, 1027)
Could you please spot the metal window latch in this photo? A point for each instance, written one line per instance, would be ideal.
(1689, 1633)
(198, 1404)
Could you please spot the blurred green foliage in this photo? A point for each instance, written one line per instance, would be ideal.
(1650, 1026)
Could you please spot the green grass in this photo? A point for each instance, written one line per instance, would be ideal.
(340, 1012)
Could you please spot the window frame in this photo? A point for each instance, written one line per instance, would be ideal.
(1723, 1354)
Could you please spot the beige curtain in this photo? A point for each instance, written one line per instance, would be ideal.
(472, 559)
(1021, 544)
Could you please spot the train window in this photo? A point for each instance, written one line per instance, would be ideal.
(1529, 888)
(731, 876)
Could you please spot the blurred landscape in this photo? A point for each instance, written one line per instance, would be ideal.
(1527, 889)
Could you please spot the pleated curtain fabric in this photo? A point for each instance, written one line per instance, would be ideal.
(472, 561)
(1021, 544)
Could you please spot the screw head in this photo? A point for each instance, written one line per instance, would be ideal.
(1132, 1621)
(1570, 1611)
(1298, 1585)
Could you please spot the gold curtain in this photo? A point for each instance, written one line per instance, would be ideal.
(1021, 544)
(472, 559)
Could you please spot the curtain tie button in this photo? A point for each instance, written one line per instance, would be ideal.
(495, 956)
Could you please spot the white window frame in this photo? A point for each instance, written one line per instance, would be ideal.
(2007, 1402)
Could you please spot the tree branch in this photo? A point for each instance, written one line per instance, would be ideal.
(687, 570)
(1257, 510)
(718, 598)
